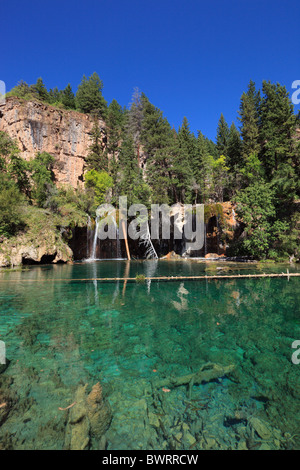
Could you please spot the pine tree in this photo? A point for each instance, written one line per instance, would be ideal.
(277, 128)
(234, 148)
(97, 157)
(222, 136)
(130, 182)
(54, 96)
(115, 125)
(68, 97)
(200, 169)
(184, 150)
(41, 90)
(89, 97)
(135, 119)
(156, 138)
(249, 118)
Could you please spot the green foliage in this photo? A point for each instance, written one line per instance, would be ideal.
(234, 148)
(140, 278)
(255, 206)
(222, 136)
(68, 97)
(97, 157)
(41, 168)
(139, 155)
(11, 207)
(249, 118)
(277, 126)
(89, 97)
(100, 183)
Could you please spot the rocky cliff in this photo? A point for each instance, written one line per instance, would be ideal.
(38, 127)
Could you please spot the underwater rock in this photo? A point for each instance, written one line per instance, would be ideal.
(88, 419)
(260, 428)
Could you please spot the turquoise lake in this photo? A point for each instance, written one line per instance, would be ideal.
(63, 330)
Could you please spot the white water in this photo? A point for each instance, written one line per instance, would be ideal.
(94, 247)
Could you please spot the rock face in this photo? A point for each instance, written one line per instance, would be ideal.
(38, 127)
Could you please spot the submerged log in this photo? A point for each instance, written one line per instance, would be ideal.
(208, 372)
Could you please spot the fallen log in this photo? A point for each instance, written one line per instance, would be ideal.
(208, 372)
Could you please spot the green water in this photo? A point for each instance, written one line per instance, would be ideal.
(61, 331)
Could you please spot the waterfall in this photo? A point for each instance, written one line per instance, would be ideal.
(93, 254)
(233, 218)
(89, 231)
(205, 246)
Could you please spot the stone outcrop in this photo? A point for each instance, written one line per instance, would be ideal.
(38, 127)
(29, 248)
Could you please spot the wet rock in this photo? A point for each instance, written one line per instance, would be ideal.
(153, 420)
(188, 440)
(260, 427)
(171, 255)
(242, 445)
(89, 418)
(210, 443)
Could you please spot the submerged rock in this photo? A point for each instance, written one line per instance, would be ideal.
(88, 420)
(260, 428)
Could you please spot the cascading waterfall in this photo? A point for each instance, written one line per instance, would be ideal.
(233, 218)
(89, 232)
(94, 247)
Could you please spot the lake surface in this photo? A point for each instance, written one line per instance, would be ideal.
(63, 330)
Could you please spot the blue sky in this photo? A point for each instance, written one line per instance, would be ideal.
(191, 58)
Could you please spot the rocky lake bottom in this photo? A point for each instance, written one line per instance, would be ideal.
(176, 365)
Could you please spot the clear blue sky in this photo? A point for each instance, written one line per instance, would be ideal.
(192, 58)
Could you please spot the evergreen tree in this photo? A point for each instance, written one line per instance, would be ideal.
(41, 90)
(130, 181)
(277, 128)
(184, 150)
(89, 97)
(68, 97)
(222, 136)
(202, 168)
(234, 148)
(115, 125)
(54, 96)
(41, 168)
(249, 118)
(97, 158)
(156, 138)
(135, 120)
